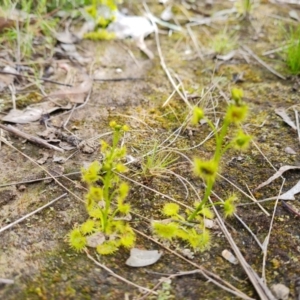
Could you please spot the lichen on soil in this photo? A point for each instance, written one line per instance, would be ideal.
(35, 253)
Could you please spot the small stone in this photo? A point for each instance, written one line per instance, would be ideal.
(280, 291)
(21, 188)
(290, 150)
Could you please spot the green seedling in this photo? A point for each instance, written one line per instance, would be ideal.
(292, 52)
(244, 7)
(189, 225)
(223, 42)
(157, 162)
(105, 201)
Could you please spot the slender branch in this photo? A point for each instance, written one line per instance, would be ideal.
(30, 137)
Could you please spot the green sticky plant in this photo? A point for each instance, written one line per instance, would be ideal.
(105, 201)
(189, 225)
(103, 12)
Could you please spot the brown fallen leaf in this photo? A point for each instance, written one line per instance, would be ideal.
(32, 113)
(28, 115)
(75, 94)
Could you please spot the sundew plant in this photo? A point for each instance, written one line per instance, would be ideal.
(106, 227)
(189, 225)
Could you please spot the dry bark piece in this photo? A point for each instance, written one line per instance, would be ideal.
(43, 159)
(87, 146)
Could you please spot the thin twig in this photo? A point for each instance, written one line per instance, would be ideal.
(211, 277)
(30, 137)
(260, 287)
(195, 42)
(242, 222)
(39, 179)
(297, 123)
(118, 276)
(33, 77)
(267, 239)
(162, 60)
(31, 214)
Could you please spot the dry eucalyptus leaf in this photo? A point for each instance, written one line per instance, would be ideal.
(277, 175)
(28, 115)
(142, 258)
(294, 15)
(66, 37)
(290, 194)
(229, 257)
(281, 112)
(75, 94)
(95, 239)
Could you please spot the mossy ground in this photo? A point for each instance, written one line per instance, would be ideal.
(35, 252)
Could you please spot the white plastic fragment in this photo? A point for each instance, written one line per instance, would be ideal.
(142, 258)
(130, 26)
(229, 257)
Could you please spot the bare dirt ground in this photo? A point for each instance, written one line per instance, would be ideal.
(35, 253)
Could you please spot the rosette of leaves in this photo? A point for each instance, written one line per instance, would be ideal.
(105, 200)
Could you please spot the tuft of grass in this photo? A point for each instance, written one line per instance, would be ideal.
(293, 52)
(223, 42)
(157, 163)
